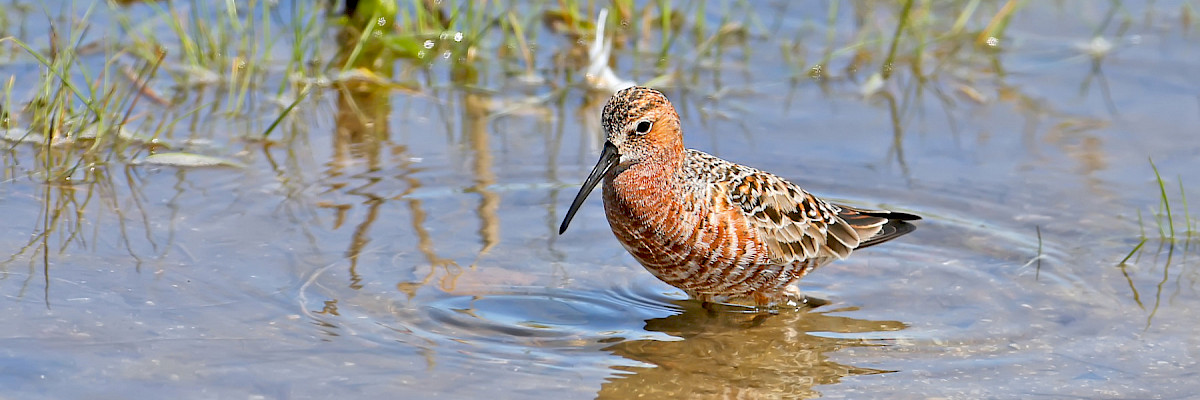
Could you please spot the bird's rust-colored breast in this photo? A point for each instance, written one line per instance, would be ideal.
(690, 237)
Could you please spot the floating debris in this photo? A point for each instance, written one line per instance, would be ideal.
(872, 85)
(189, 160)
(599, 74)
(90, 132)
(318, 80)
(362, 75)
(21, 135)
(972, 94)
(93, 131)
(1098, 47)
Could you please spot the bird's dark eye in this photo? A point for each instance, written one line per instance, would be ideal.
(643, 127)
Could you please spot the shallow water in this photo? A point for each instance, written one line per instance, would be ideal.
(427, 264)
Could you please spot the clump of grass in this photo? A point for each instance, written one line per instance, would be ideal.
(952, 32)
(1165, 219)
(1170, 233)
(223, 45)
(76, 115)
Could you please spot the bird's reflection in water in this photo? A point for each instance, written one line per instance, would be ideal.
(726, 354)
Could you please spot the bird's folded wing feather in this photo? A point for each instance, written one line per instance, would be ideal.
(795, 225)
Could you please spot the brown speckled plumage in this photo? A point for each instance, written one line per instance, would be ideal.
(718, 230)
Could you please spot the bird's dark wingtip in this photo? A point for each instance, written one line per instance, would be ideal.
(895, 223)
(904, 216)
(893, 215)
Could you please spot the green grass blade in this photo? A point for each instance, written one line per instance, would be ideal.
(1132, 252)
(1187, 214)
(1162, 189)
(885, 70)
(283, 114)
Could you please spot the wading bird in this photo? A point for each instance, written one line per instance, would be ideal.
(722, 232)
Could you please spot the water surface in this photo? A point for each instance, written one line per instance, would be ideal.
(404, 241)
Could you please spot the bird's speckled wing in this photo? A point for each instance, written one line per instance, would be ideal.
(793, 224)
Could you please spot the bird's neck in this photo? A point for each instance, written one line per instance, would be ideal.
(640, 188)
(659, 170)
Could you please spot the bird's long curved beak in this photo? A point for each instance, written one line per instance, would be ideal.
(609, 158)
